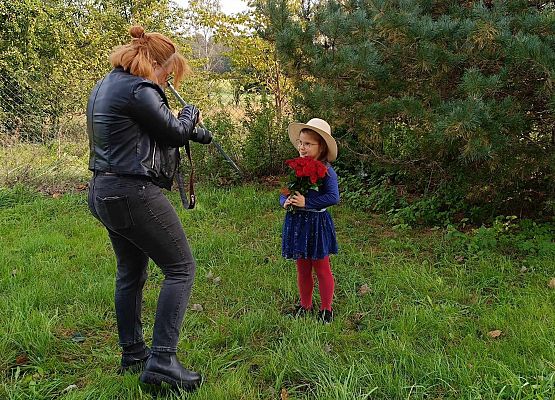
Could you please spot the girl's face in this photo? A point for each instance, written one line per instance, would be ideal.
(309, 145)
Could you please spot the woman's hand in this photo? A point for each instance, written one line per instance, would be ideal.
(297, 200)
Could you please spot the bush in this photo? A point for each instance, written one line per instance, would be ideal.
(507, 235)
(433, 91)
(266, 144)
(209, 163)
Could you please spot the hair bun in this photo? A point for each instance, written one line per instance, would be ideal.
(137, 31)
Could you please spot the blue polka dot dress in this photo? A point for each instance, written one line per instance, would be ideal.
(310, 233)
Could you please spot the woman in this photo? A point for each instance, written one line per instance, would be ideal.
(133, 138)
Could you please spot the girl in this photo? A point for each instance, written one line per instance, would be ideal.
(308, 233)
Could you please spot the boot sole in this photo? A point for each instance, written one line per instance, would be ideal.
(133, 369)
(153, 378)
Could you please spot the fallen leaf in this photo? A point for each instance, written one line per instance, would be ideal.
(69, 388)
(217, 280)
(56, 195)
(21, 359)
(209, 275)
(78, 337)
(197, 307)
(327, 348)
(364, 289)
(284, 191)
(473, 298)
(494, 334)
(269, 259)
(523, 269)
(459, 259)
(551, 283)
(283, 395)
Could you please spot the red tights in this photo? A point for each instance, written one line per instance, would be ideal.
(305, 281)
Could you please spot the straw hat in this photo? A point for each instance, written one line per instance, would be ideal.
(319, 126)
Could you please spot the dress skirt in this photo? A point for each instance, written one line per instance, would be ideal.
(308, 234)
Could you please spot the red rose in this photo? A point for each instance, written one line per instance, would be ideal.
(306, 173)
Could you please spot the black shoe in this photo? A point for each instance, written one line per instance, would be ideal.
(134, 362)
(164, 367)
(299, 311)
(326, 316)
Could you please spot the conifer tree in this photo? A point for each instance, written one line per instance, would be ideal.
(441, 93)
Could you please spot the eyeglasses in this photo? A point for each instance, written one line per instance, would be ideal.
(306, 145)
(169, 74)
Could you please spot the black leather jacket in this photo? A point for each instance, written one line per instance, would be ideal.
(131, 129)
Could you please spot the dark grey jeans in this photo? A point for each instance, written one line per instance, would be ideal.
(142, 224)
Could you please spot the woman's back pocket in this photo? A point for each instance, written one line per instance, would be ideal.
(114, 212)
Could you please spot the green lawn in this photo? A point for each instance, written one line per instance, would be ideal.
(420, 331)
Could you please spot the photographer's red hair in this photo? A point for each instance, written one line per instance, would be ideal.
(138, 56)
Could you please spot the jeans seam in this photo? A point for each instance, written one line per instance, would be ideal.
(164, 227)
(136, 319)
(176, 313)
(182, 255)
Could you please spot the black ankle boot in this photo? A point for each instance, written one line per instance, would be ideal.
(133, 359)
(326, 316)
(299, 311)
(164, 367)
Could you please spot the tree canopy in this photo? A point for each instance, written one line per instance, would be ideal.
(449, 99)
(431, 94)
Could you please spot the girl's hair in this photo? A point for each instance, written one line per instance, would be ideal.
(323, 145)
(138, 56)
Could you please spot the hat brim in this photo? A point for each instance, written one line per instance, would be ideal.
(295, 129)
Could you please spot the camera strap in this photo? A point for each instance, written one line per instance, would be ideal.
(187, 204)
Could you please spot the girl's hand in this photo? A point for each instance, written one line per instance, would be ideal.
(287, 202)
(297, 200)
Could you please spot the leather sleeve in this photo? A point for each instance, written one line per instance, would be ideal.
(153, 115)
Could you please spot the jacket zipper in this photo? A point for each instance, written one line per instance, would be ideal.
(153, 155)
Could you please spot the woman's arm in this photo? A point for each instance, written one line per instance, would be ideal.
(152, 114)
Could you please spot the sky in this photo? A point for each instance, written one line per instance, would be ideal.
(228, 6)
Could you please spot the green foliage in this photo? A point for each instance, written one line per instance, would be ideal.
(524, 239)
(209, 163)
(381, 193)
(35, 36)
(53, 52)
(53, 167)
(367, 194)
(433, 92)
(18, 194)
(266, 145)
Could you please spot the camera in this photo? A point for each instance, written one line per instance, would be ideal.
(201, 135)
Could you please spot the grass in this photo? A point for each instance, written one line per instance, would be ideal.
(54, 166)
(420, 332)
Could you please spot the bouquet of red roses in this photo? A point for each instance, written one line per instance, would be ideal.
(306, 173)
